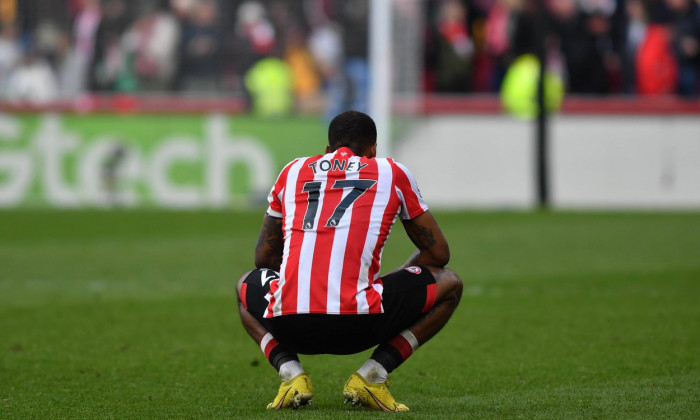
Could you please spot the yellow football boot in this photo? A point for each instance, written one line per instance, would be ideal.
(294, 394)
(373, 396)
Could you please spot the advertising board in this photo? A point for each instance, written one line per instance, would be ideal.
(172, 161)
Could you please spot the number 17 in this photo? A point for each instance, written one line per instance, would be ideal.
(313, 188)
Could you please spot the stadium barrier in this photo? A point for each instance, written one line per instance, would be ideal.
(108, 160)
(595, 161)
(465, 153)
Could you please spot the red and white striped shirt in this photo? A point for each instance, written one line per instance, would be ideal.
(337, 211)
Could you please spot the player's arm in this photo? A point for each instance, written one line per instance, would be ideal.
(426, 235)
(268, 251)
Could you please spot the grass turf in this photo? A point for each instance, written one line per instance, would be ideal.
(132, 315)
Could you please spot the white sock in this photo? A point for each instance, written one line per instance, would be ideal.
(290, 369)
(373, 372)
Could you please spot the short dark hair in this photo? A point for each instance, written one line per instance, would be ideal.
(352, 129)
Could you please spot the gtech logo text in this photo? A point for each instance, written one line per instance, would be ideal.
(55, 166)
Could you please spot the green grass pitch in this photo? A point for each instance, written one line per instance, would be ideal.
(564, 315)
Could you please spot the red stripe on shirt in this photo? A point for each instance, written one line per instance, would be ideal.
(373, 297)
(318, 301)
(390, 210)
(391, 207)
(357, 236)
(291, 282)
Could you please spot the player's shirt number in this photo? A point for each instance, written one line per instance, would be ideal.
(313, 189)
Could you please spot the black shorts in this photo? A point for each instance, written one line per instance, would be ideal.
(408, 294)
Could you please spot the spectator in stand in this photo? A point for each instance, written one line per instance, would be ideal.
(109, 61)
(254, 36)
(600, 21)
(40, 22)
(656, 65)
(8, 12)
(75, 59)
(183, 9)
(288, 16)
(522, 35)
(201, 49)
(44, 40)
(586, 45)
(305, 79)
(636, 32)
(686, 44)
(454, 49)
(326, 46)
(29, 13)
(289, 22)
(70, 68)
(499, 25)
(353, 17)
(10, 54)
(269, 84)
(33, 81)
(151, 47)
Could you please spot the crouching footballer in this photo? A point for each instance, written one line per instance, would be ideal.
(317, 287)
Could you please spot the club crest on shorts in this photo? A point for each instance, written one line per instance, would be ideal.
(413, 269)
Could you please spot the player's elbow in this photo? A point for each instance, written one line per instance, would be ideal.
(444, 258)
(440, 255)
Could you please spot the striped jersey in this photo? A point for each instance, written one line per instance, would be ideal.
(337, 211)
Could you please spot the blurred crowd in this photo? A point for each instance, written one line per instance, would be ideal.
(317, 49)
(277, 51)
(596, 46)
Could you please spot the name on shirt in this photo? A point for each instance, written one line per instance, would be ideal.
(336, 165)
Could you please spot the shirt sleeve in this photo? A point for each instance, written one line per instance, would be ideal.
(273, 213)
(275, 200)
(412, 203)
(275, 208)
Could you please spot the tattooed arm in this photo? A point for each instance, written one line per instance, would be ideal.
(428, 238)
(268, 251)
